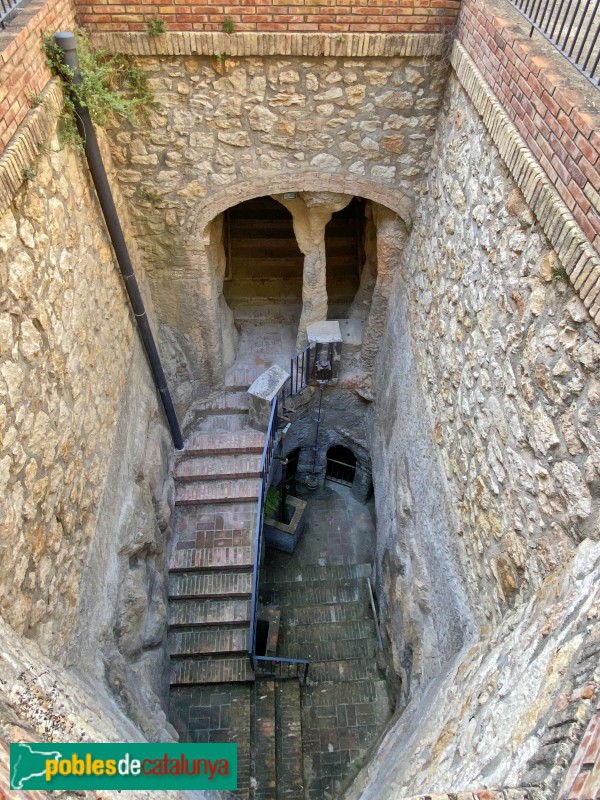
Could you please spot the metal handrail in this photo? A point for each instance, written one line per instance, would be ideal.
(572, 26)
(266, 462)
(7, 10)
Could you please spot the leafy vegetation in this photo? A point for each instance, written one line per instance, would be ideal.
(272, 501)
(155, 26)
(228, 25)
(112, 85)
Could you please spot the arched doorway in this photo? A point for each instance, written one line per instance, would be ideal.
(341, 465)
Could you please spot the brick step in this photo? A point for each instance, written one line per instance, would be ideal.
(356, 669)
(326, 633)
(237, 557)
(219, 467)
(243, 490)
(184, 585)
(324, 593)
(262, 760)
(188, 613)
(357, 713)
(230, 402)
(205, 444)
(330, 651)
(222, 423)
(316, 574)
(288, 715)
(331, 612)
(208, 641)
(217, 669)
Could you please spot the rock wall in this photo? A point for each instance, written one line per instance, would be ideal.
(85, 456)
(510, 709)
(40, 701)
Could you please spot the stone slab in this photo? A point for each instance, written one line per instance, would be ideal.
(324, 332)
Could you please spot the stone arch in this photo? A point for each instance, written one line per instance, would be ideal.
(390, 197)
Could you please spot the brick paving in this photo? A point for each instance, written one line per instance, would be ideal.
(216, 467)
(263, 777)
(216, 714)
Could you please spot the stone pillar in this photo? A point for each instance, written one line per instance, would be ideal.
(311, 211)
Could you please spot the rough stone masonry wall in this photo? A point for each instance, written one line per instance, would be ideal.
(84, 454)
(233, 128)
(491, 487)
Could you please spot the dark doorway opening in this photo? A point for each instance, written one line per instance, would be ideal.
(341, 465)
(262, 637)
(264, 263)
(344, 251)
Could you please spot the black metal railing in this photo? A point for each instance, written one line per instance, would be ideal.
(302, 365)
(268, 665)
(573, 27)
(339, 472)
(8, 9)
(282, 668)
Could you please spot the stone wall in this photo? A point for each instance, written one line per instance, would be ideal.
(510, 709)
(229, 128)
(85, 456)
(486, 450)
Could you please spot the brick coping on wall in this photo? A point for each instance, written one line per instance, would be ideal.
(354, 45)
(573, 248)
(555, 108)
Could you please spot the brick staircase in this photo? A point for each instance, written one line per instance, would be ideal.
(325, 616)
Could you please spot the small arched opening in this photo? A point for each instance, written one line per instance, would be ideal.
(341, 465)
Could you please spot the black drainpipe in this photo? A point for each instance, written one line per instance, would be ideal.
(68, 44)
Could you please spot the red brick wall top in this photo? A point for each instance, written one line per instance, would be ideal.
(325, 16)
(23, 70)
(546, 99)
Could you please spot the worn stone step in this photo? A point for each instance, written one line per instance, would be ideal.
(230, 402)
(330, 650)
(219, 467)
(329, 633)
(321, 614)
(263, 774)
(187, 613)
(315, 574)
(205, 444)
(209, 584)
(355, 669)
(290, 770)
(322, 593)
(240, 557)
(216, 669)
(205, 492)
(208, 641)
(223, 422)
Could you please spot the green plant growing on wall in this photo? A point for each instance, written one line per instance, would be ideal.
(559, 273)
(151, 195)
(112, 85)
(36, 100)
(28, 173)
(228, 25)
(155, 26)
